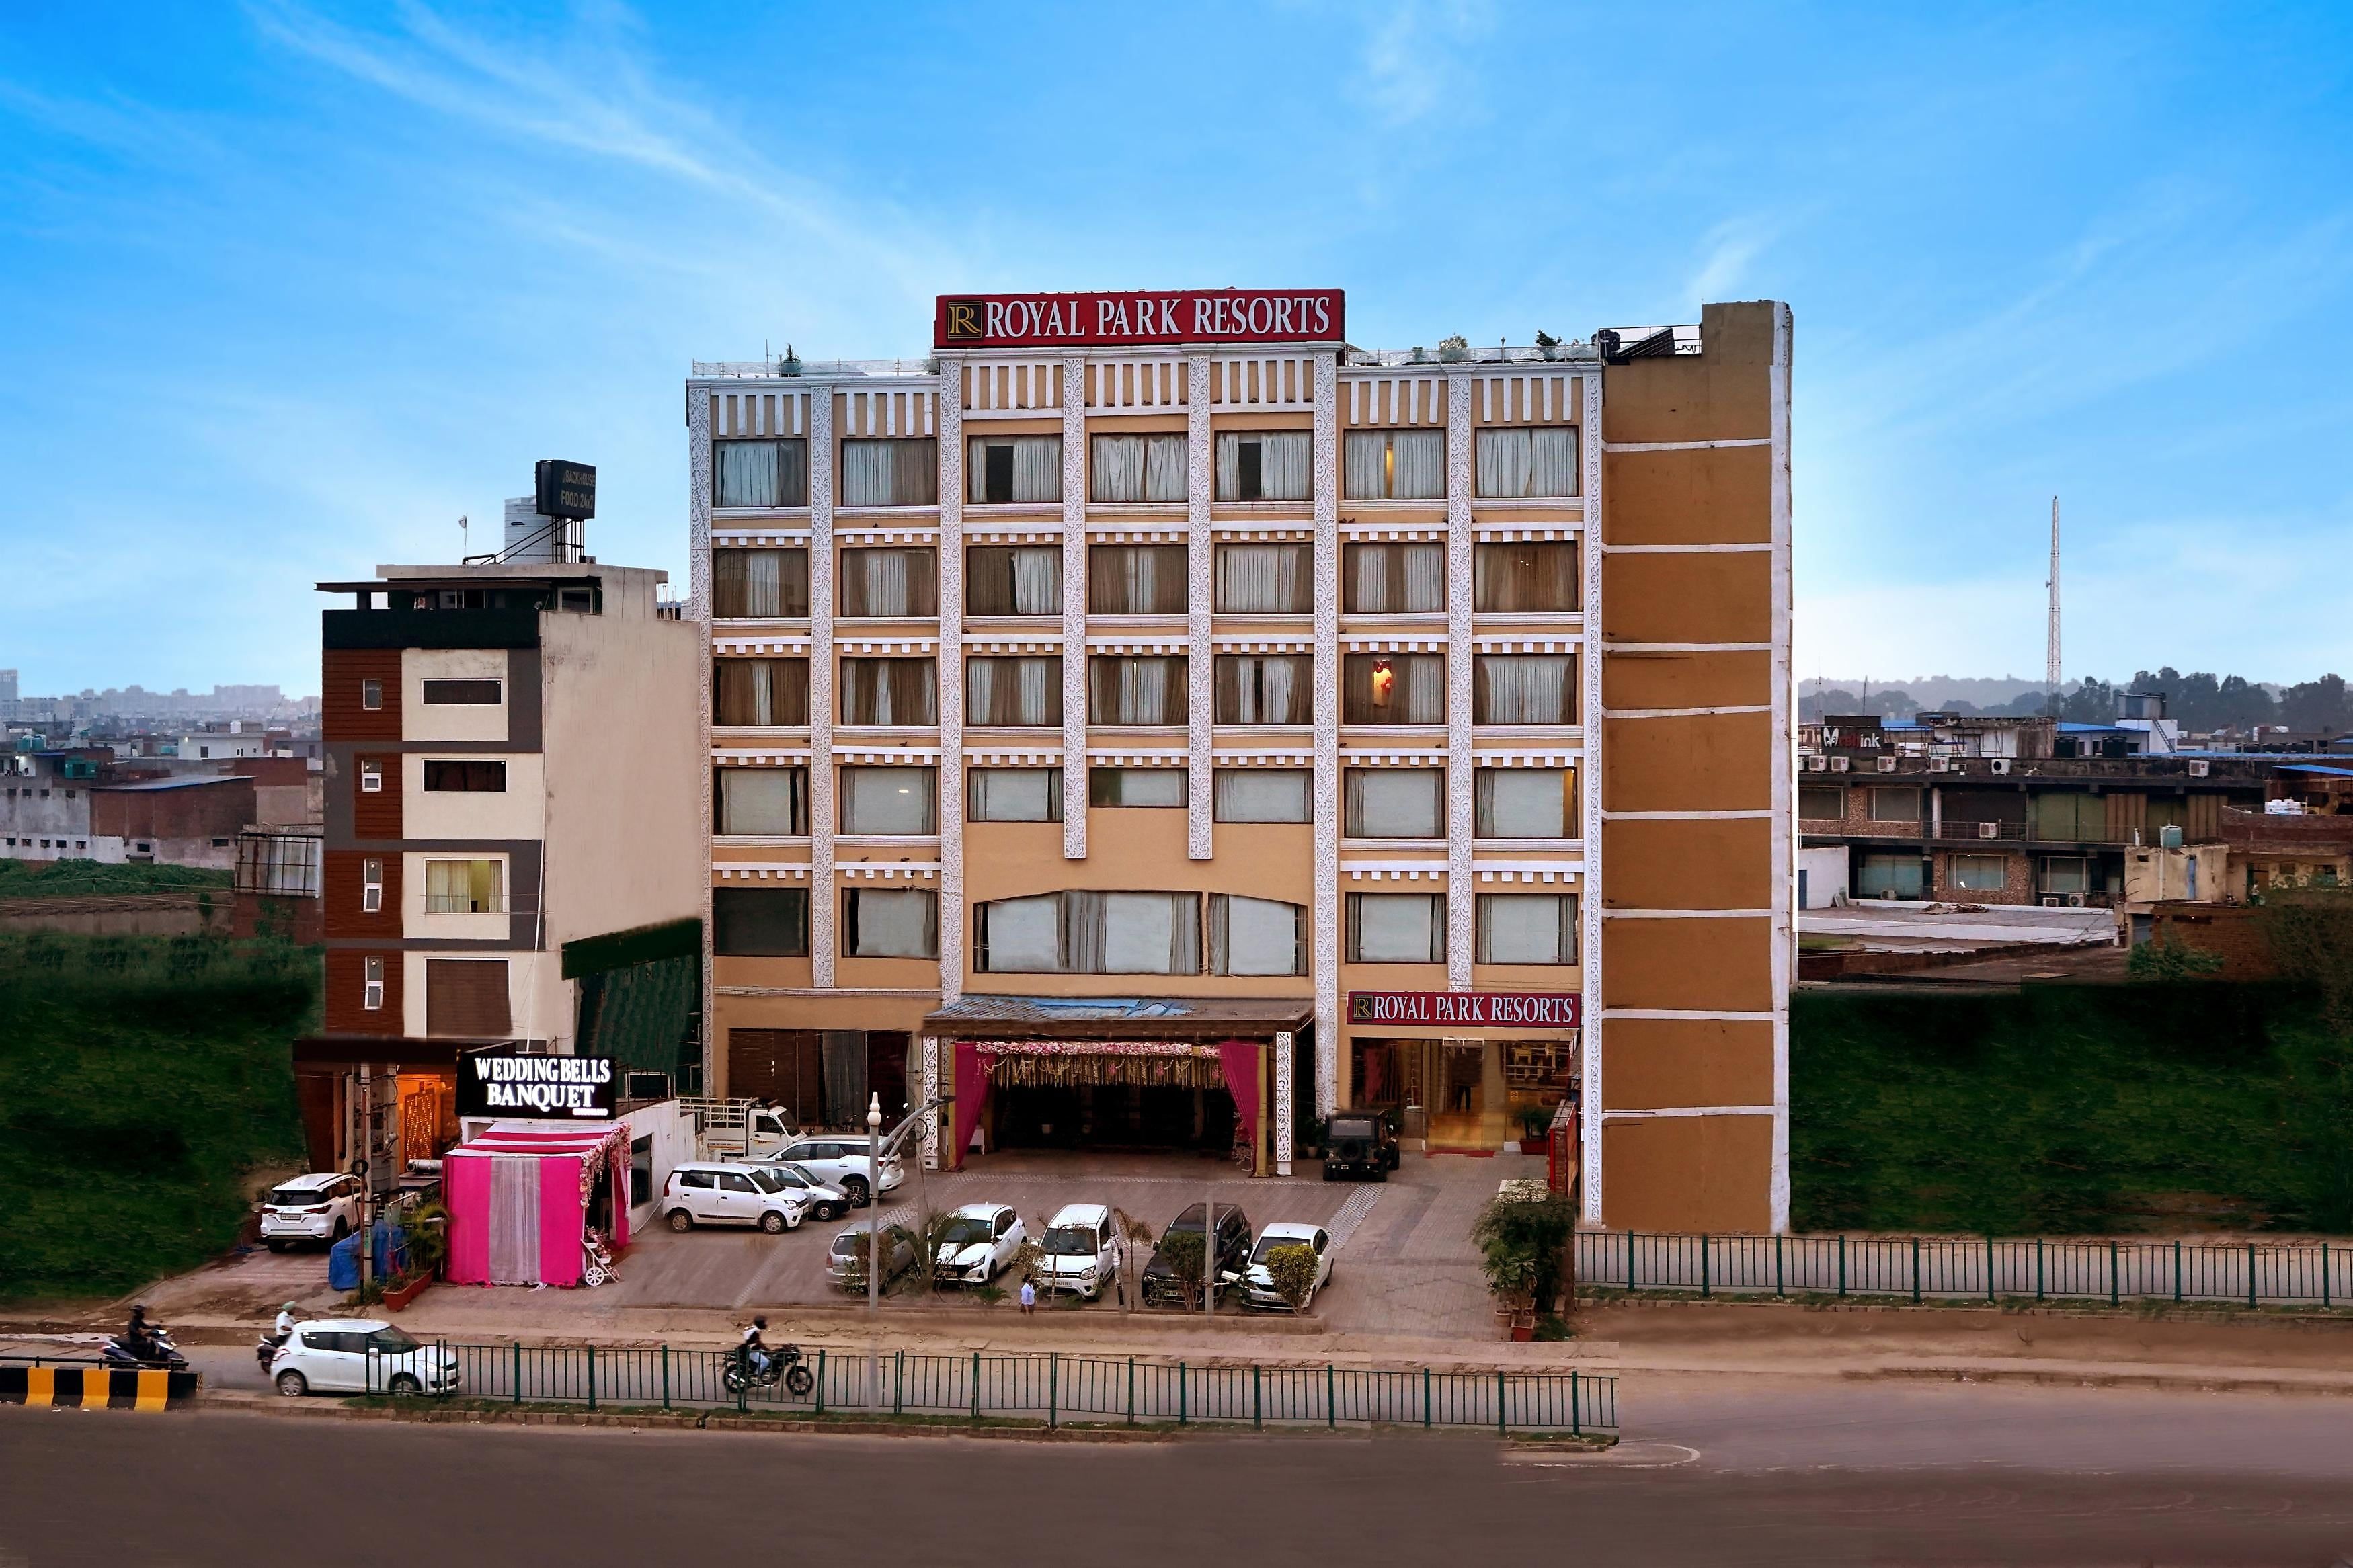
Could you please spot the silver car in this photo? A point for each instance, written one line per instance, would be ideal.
(846, 1259)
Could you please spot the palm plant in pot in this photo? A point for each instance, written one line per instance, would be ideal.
(1522, 1243)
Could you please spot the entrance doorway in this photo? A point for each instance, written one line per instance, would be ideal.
(1111, 1116)
(1447, 1090)
(822, 1078)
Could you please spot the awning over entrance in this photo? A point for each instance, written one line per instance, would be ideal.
(1203, 1019)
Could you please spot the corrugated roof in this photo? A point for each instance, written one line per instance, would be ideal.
(185, 783)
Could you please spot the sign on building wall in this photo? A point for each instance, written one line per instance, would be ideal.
(1496, 1009)
(566, 491)
(1150, 316)
(494, 1083)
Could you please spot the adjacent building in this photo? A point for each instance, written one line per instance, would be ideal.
(78, 806)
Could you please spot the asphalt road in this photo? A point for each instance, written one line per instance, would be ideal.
(1725, 1471)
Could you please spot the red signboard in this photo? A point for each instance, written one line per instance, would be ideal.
(1495, 1009)
(1147, 316)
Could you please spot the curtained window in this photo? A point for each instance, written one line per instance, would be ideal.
(1135, 786)
(1527, 928)
(759, 473)
(1266, 465)
(759, 923)
(1013, 691)
(1394, 688)
(1021, 469)
(1523, 688)
(890, 802)
(1902, 804)
(1018, 936)
(771, 803)
(889, 923)
(1526, 803)
(1517, 463)
(1394, 465)
(1014, 794)
(759, 691)
(465, 887)
(1396, 927)
(1894, 876)
(1263, 794)
(1013, 580)
(878, 583)
(1128, 468)
(1265, 689)
(757, 585)
(1393, 579)
(1122, 690)
(899, 472)
(889, 691)
(1135, 580)
(1394, 803)
(1980, 873)
(1090, 932)
(1266, 579)
(1525, 577)
(1256, 936)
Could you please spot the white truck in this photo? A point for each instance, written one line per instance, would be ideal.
(736, 1129)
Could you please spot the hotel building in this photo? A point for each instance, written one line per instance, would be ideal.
(1159, 722)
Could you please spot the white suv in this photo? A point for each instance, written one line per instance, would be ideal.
(1080, 1250)
(321, 1206)
(360, 1356)
(980, 1242)
(713, 1193)
(840, 1161)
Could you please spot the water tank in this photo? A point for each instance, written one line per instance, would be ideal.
(529, 537)
(2168, 838)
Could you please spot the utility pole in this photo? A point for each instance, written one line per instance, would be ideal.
(2051, 674)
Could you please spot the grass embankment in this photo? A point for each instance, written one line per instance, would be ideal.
(2071, 1110)
(90, 878)
(140, 1079)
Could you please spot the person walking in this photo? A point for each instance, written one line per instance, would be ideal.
(1029, 1295)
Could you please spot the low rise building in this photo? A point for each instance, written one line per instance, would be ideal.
(77, 805)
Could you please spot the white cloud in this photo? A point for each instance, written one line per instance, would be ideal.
(1412, 56)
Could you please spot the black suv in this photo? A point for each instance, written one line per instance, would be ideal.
(1359, 1143)
(1160, 1286)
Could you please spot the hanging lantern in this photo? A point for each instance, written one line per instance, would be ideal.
(1384, 682)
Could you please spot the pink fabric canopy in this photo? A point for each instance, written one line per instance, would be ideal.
(547, 1217)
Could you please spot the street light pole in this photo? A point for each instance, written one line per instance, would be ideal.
(874, 1201)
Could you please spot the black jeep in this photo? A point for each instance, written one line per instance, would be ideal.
(1360, 1144)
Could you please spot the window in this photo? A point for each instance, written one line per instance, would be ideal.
(1265, 464)
(759, 691)
(2066, 874)
(890, 802)
(1393, 579)
(759, 585)
(371, 698)
(1526, 803)
(1981, 873)
(1025, 470)
(1265, 689)
(1135, 580)
(1135, 786)
(1396, 927)
(1518, 464)
(465, 887)
(1014, 794)
(1819, 804)
(1394, 688)
(372, 983)
(1137, 691)
(1263, 794)
(1890, 875)
(371, 886)
(1395, 803)
(702, 1180)
(1090, 932)
(1013, 690)
(895, 922)
(1894, 805)
(2070, 817)
(1395, 465)
(1013, 580)
(735, 1182)
(1523, 688)
(477, 774)
(462, 693)
(889, 691)
(1138, 468)
(1256, 936)
(771, 803)
(1520, 579)
(890, 583)
(759, 923)
(759, 473)
(1527, 928)
(1266, 579)
(891, 473)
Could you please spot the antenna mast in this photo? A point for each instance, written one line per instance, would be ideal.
(2051, 676)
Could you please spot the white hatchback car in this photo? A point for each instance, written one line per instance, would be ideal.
(322, 1207)
(715, 1193)
(980, 1243)
(1081, 1249)
(360, 1356)
(1258, 1283)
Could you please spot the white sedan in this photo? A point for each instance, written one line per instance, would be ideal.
(1258, 1281)
(980, 1243)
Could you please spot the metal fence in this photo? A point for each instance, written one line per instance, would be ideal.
(1050, 1387)
(2252, 1274)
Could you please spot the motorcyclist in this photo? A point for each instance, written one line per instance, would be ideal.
(283, 1328)
(138, 1338)
(755, 1355)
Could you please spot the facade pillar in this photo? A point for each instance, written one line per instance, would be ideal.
(928, 1090)
(1200, 603)
(1588, 778)
(950, 426)
(1461, 928)
(1074, 609)
(1283, 1111)
(698, 610)
(823, 901)
(1324, 920)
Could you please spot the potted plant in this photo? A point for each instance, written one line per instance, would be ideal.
(1523, 1242)
(425, 1243)
(1454, 350)
(1535, 1128)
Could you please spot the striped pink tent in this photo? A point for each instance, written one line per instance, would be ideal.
(523, 1194)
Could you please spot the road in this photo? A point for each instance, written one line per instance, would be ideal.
(1734, 1471)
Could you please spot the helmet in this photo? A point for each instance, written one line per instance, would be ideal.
(759, 1322)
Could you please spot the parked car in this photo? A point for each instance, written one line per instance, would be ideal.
(360, 1356)
(1081, 1249)
(825, 1200)
(845, 1260)
(1359, 1143)
(714, 1193)
(1258, 1279)
(321, 1206)
(979, 1244)
(1160, 1286)
(840, 1161)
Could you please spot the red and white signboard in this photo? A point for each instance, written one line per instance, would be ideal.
(1147, 316)
(1495, 1009)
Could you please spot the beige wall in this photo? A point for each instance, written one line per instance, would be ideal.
(519, 811)
(487, 722)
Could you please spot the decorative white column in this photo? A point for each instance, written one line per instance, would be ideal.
(1074, 609)
(1282, 1111)
(926, 1091)
(1461, 930)
(698, 610)
(1200, 601)
(1325, 919)
(822, 898)
(950, 426)
(1589, 784)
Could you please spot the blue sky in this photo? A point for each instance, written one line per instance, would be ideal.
(285, 288)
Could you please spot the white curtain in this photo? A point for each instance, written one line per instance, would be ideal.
(1013, 691)
(1129, 690)
(1396, 803)
(763, 801)
(1137, 787)
(1037, 468)
(1021, 936)
(866, 473)
(889, 583)
(1527, 928)
(1525, 463)
(1131, 933)
(1523, 803)
(1263, 794)
(1282, 695)
(1287, 465)
(1524, 689)
(1265, 579)
(1254, 936)
(1365, 458)
(1398, 927)
(745, 473)
(893, 923)
(764, 583)
(514, 1220)
(1420, 465)
(1015, 794)
(891, 801)
(1119, 463)
(1164, 468)
(1037, 581)
(1552, 462)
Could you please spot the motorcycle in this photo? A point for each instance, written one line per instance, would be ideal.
(266, 1348)
(162, 1354)
(783, 1367)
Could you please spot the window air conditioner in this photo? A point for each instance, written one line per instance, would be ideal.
(1818, 764)
(2200, 767)
(2001, 764)
(1941, 764)
(1988, 830)
(2053, 901)
(1841, 764)
(1887, 764)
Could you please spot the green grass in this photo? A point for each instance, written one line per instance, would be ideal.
(2071, 1110)
(88, 878)
(140, 1079)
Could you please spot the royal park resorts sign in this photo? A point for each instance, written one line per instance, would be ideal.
(1150, 316)
(1493, 1009)
(507, 1085)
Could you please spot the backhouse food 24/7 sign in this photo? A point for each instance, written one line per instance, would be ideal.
(1148, 316)
(1496, 1009)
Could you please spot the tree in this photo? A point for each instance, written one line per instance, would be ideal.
(1523, 1243)
(1291, 1270)
(1183, 1250)
(2317, 705)
(2092, 703)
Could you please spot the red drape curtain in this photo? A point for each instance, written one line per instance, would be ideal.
(971, 1096)
(1237, 1059)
